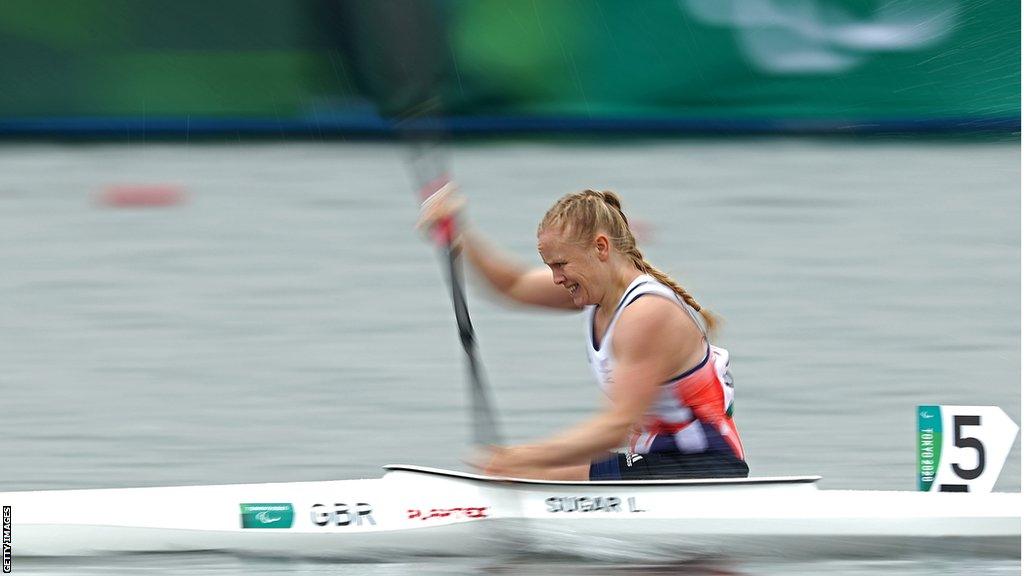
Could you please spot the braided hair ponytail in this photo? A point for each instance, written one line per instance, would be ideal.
(584, 214)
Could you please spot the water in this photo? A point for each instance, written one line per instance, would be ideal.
(286, 323)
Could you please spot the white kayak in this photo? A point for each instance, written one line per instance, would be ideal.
(415, 511)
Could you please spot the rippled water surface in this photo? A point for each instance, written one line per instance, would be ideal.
(285, 323)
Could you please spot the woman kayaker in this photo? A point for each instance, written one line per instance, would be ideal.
(669, 389)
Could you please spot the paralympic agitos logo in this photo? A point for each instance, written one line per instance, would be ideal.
(267, 515)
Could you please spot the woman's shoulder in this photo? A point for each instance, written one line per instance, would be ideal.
(654, 325)
(652, 312)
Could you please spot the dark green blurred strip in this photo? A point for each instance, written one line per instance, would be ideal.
(591, 59)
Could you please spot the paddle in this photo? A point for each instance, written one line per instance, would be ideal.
(401, 48)
(432, 176)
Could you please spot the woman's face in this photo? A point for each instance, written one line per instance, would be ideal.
(573, 266)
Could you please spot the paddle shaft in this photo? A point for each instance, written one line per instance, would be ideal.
(402, 49)
(484, 422)
(485, 425)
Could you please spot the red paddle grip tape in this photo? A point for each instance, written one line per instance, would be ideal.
(444, 230)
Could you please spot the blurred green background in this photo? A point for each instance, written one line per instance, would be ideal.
(500, 65)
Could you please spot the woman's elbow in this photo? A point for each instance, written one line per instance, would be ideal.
(619, 427)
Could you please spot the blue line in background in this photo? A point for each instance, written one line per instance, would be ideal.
(341, 125)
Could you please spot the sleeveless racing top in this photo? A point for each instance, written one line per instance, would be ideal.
(693, 411)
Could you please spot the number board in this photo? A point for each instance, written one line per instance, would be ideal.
(962, 448)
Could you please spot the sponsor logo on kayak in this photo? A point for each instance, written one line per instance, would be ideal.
(267, 515)
(472, 512)
(342, 514)
(590, 504)
(7, 539)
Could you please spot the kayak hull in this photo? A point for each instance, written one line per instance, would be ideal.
(413, 512)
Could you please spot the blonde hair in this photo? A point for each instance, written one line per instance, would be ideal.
(581, 215)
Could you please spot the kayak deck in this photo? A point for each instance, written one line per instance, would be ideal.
(415, 511)
(674, 482)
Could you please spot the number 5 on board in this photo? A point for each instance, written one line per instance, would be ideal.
(962, 448)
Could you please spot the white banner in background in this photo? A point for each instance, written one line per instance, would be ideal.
(824, 37)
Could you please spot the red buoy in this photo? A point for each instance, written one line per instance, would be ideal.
(142, 195)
